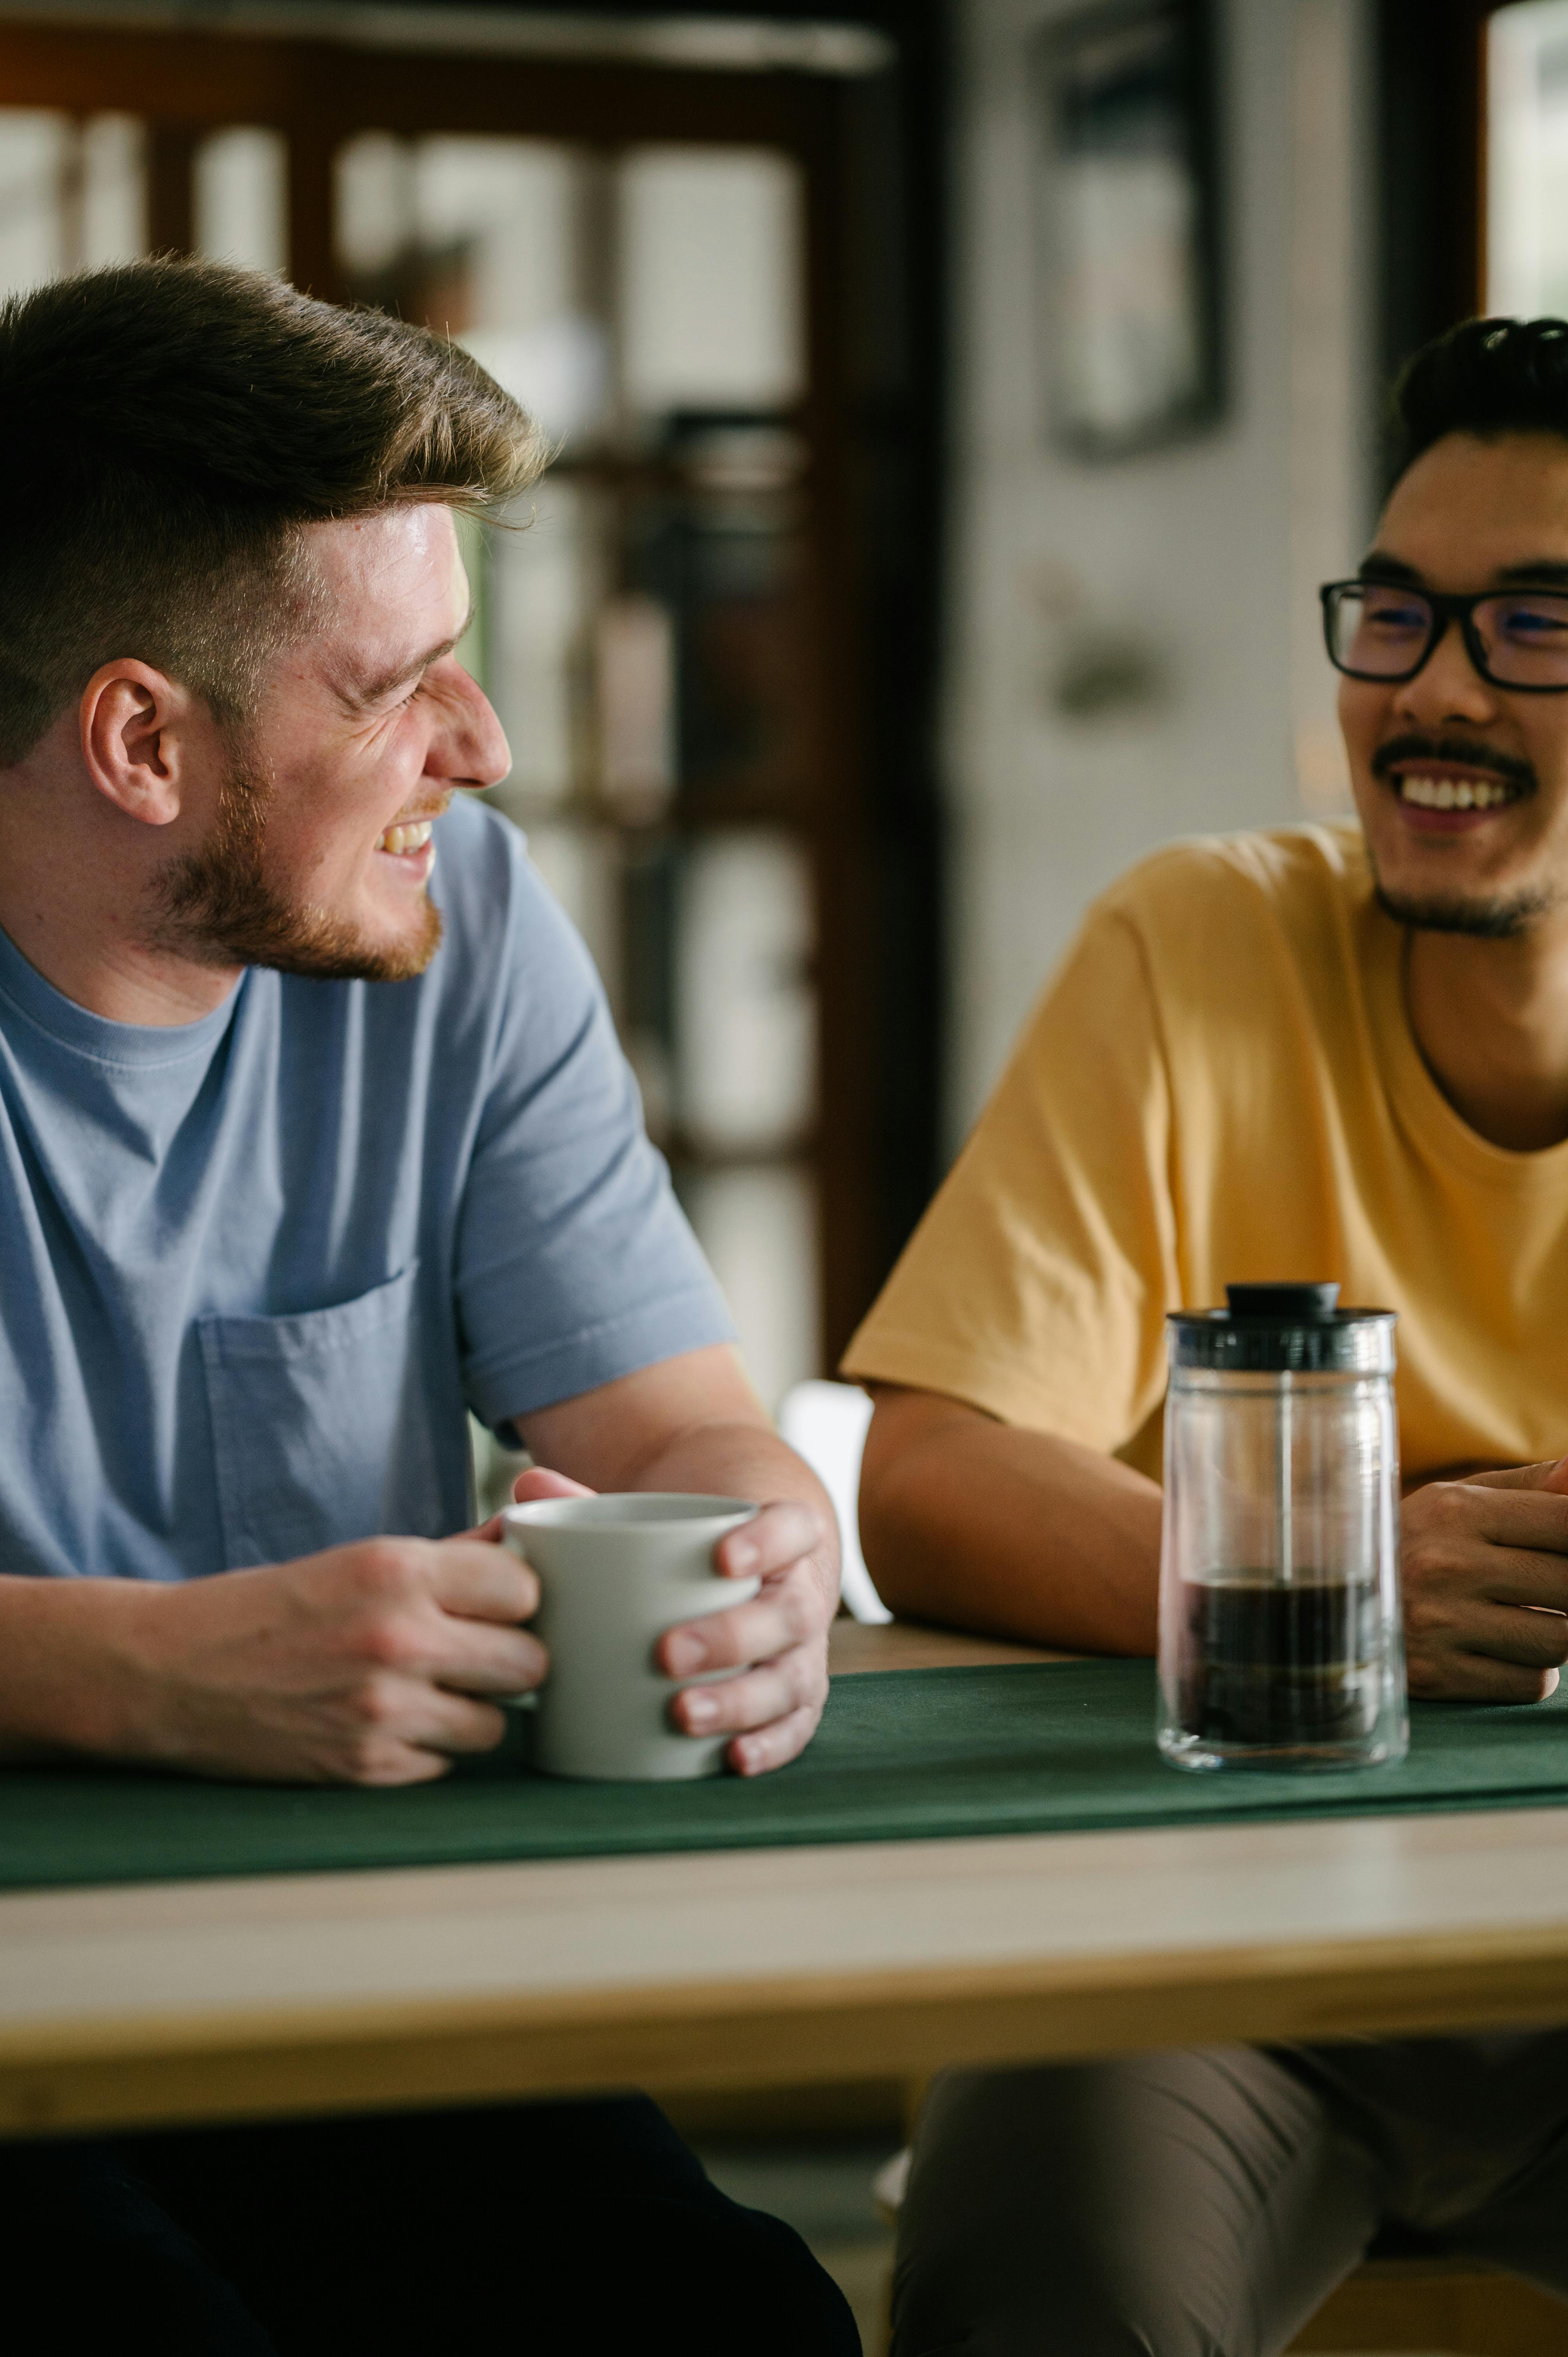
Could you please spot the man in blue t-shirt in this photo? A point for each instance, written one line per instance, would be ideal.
(307, 1145)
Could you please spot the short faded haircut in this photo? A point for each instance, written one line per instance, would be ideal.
(172, 426)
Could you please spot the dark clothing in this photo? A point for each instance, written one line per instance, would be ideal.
(548, 2230)
(1205, 2204)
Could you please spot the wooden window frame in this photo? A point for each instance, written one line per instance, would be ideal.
(1431, 173)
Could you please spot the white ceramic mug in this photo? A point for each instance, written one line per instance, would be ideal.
(614, 1573)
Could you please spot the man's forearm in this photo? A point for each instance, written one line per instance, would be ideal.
(692, 1423)
(62, 1646)
(734, 1461)
(979, 1524)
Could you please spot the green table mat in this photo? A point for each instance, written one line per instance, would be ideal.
(902, 1755)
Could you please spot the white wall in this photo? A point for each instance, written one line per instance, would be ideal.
(1208, 554)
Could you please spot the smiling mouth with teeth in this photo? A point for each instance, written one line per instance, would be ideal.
(410, 836)
(1455, 793)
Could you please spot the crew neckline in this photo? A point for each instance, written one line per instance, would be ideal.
(1415, 1093)
(144, 1045)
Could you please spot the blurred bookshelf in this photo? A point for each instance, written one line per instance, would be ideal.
(684, 272)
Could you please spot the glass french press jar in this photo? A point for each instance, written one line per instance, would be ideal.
(1281, 1641)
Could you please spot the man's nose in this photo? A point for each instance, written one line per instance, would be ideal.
(1448, 686)
(469, 750)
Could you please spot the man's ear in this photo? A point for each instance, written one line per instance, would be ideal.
(135, 739)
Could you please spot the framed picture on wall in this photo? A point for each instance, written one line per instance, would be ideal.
(1127, 207)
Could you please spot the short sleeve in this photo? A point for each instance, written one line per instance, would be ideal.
(574, 1262)
(1037, 1284)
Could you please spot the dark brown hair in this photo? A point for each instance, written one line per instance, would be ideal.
(169, 426)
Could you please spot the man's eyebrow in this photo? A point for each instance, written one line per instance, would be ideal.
(1541, 573)
(1536, 573)
(1377, 567)
(363, 695)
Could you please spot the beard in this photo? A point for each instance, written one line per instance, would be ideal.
(217, 906)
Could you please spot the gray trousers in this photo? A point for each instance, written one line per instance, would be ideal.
(1204, 2204)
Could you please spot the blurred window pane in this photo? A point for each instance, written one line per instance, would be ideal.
(582, 867)
(1527, 160)
(72, 194)
(482, 239)
(239, 197)
(36, 153)
(746, 1009)
(558, 368)
(710, 277)
(541, 589)
(507, 205)
(635, 679)
(114, 191)
(372, 203)
(759, 1228)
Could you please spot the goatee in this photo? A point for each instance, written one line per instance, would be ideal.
(1500, 918)
(1503, 919)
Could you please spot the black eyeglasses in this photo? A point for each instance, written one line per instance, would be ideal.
(1517, 639)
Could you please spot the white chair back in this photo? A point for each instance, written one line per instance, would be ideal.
(826, 1424)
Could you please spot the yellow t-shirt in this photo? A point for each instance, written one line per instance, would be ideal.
(1221, 1085)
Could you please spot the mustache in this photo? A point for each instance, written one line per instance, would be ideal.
(1458, 751)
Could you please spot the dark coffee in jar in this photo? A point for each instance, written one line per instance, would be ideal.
(1269, 1664)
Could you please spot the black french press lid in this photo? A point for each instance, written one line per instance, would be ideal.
(1279, 1329)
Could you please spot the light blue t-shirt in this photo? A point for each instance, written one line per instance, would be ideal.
(251, 1268)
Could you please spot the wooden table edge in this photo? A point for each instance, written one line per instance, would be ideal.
(104, 2070)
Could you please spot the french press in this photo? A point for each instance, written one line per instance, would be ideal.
(1281, 1642)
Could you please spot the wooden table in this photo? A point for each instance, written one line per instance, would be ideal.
(769, 1968)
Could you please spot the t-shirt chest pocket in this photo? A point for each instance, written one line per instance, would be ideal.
(320, 1427)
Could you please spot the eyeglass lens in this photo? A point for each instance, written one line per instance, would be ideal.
(1377, 631)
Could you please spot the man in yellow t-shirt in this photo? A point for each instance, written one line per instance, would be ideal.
(1316, 1053)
